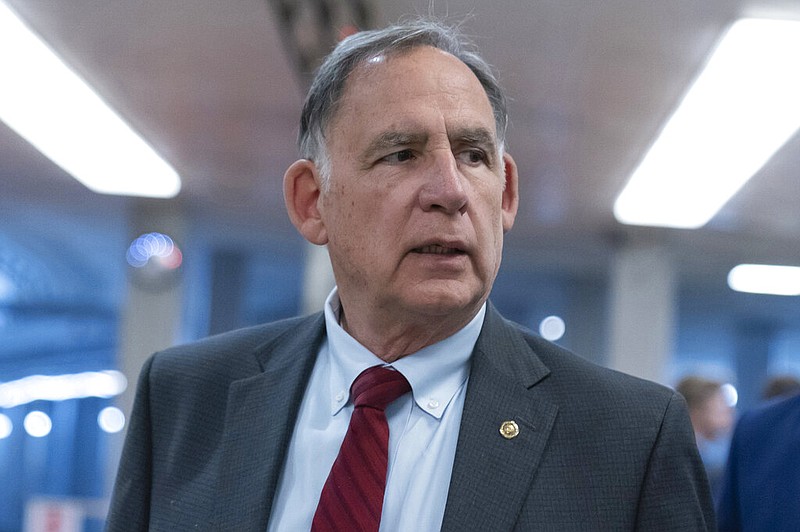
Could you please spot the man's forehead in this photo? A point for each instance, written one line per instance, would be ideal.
(419, 92)
(424, 73)
(424, 53)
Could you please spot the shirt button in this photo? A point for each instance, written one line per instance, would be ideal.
(433, 403)
(340, 396)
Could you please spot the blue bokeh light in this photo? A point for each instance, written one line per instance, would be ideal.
(155, 248)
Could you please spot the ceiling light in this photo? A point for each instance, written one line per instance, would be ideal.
(765, 279)
(48, 105)
(741, 109)
(552, 328)
(6, 426)
(37, 424)
(111, 419)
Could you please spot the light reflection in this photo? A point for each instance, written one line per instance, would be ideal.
(731, 394)
(7, 288)
(552, 328)
(156, 248)
(37, 424)
(111, 419)
(6, 426)
(62, 387)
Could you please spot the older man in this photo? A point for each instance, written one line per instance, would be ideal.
(409, 403)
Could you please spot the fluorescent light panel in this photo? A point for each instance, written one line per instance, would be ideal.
(741, 109)
(765, 279)
(47, 104)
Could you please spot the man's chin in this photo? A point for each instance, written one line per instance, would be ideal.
(444, 299)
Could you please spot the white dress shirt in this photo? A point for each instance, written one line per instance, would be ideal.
(423, 428)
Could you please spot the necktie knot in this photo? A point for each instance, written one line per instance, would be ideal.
(378, 386)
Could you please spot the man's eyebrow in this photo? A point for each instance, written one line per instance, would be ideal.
(474, 136)
(389, 140)
(478, 137)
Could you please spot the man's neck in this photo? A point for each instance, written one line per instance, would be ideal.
(401, 338)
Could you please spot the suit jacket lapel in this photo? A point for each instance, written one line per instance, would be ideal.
(259, 420)
(491, 473)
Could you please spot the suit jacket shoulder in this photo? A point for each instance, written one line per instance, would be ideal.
(578, 384)
(209, 428)
(592, 448)
(237, 353)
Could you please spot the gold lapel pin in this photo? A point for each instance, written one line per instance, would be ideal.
(509, 429)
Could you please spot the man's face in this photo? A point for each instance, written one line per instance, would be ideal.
(419, 196)
(716, 417)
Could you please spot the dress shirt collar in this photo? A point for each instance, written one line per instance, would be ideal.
(435, 372)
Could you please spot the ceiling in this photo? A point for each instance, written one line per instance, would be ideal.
(215, 89)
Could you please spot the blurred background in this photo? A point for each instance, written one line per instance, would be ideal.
(92, 283)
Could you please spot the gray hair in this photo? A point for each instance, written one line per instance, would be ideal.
(328, 85)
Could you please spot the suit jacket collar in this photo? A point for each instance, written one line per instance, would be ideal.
(258, 425)
(491, 473)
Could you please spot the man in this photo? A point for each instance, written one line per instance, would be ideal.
(761, 488)
(405, 178)
(712, 419)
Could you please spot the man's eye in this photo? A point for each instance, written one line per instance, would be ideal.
(399, 157)
(472, 157)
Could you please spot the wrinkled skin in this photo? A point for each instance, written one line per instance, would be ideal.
(418, 202)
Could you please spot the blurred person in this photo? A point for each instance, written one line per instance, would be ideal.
(761, 487)
(780, 386)
(471, 421)
(712, 419)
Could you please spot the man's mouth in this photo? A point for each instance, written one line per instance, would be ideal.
(437, 249)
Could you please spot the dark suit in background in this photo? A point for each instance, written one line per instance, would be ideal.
(761, 490)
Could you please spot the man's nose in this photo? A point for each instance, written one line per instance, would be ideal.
(444, 185)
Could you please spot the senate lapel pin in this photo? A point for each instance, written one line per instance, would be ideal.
(509, 429)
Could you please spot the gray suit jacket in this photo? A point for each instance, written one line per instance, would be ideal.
(596, 449)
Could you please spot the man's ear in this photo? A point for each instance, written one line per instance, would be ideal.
(301, 193)
(510, 192)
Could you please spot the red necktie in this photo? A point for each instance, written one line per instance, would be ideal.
(352, 498)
